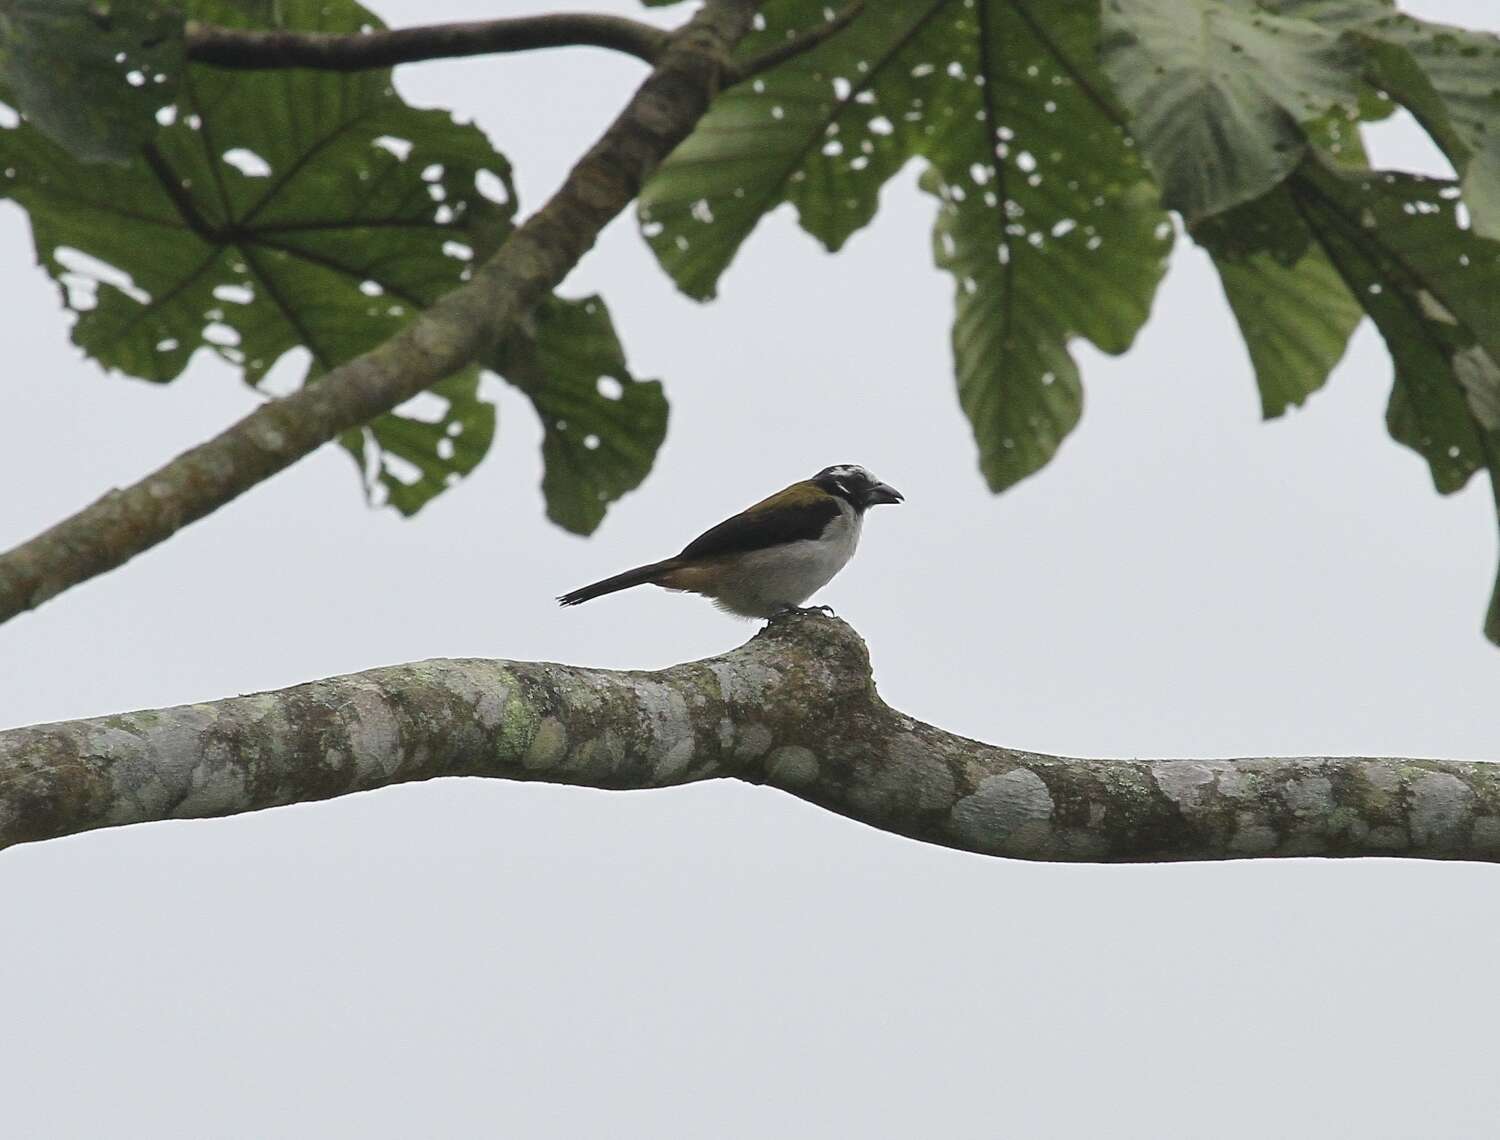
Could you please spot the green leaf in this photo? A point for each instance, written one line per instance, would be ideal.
(1448, 77)
(1216, 90)
(278, 209)
(1049, 225)
(1047, 218)
(1296, 319)
(601, 426)
(823, 131)
(90, 74)
(1430, 286)
(1292, 307)
(417, 451)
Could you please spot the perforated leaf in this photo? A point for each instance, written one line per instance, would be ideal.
(427, 445)
(823, 132)
(90, 74)
(1216, 90)
(601, 426)
(1048, 223)
(1047, 218)
(275, 210)
(1447, 76)
(1430, 287)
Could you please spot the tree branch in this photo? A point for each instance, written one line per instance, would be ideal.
(794, 708)
(455, 331)
(257, 49)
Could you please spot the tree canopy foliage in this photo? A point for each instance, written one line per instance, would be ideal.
(183, 206)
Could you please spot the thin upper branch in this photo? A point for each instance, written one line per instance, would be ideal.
(452, 333)
(795, 708)
(277, 48)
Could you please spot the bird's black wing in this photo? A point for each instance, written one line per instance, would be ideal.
(800, 512)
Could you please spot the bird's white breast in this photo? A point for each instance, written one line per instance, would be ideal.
(764, 582)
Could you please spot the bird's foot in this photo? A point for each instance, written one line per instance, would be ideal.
(798, 611)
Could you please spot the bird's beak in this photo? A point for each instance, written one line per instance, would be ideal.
(882, 493)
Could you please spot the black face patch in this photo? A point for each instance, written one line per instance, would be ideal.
(848, 481)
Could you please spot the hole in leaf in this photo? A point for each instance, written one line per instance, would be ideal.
(286, 375)
(401, 470)
(492, 186)
(247, 162)
(218, 333)
(82, 294)
(392, 145)
(424, 407)
(92, 270)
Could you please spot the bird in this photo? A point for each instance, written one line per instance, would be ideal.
(771, 557)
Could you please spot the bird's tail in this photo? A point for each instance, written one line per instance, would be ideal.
(637, 577)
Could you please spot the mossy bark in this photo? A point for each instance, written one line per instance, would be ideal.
(794, 708)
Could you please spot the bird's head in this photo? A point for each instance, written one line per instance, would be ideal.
(853, 483)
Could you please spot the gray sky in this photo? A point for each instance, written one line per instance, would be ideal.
(472, 957)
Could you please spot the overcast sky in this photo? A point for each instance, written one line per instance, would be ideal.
(480, 958)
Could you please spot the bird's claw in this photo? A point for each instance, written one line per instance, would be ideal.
(798, 611)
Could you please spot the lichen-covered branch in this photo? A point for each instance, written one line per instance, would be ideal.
(250, 48)
(795, 708)
(446, 337)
